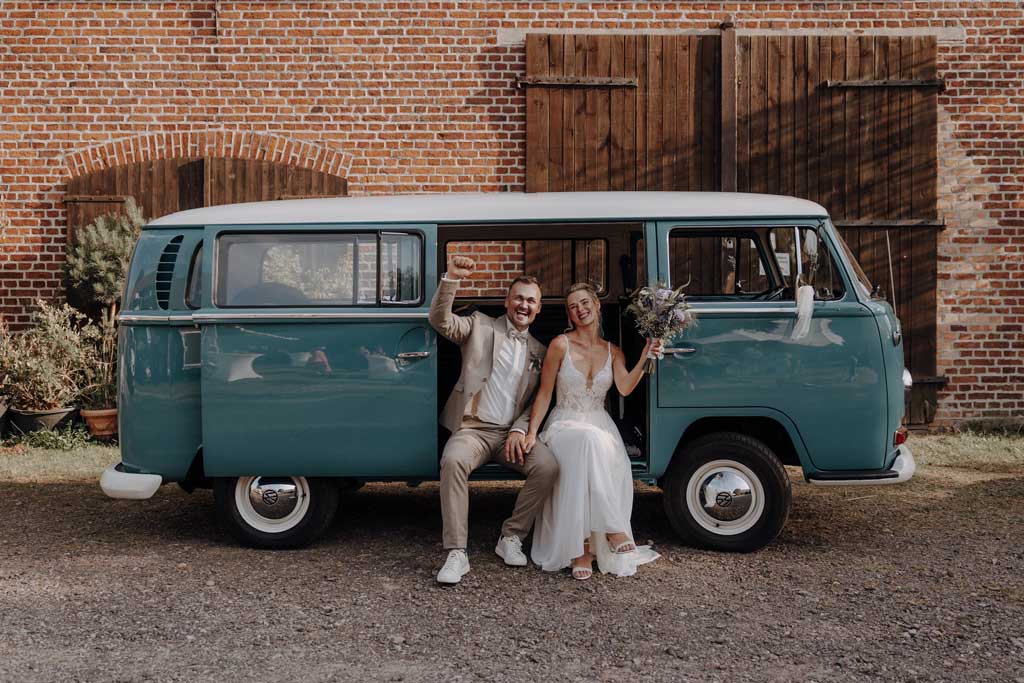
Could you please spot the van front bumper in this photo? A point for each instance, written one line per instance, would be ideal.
(903, 468)
(117, 483)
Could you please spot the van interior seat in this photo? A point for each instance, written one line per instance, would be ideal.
(269, 294)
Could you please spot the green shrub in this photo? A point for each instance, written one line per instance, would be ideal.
(98, 256)
(47, 366)
(66, 439)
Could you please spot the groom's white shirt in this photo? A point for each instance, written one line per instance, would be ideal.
(496, 403)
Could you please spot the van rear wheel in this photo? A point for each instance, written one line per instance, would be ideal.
(727, 491)
(275, 512)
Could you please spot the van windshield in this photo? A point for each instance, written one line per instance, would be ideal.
(862, 282)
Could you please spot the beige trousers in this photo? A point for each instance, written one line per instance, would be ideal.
(475, 444)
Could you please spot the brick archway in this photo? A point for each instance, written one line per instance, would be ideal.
(209, 143)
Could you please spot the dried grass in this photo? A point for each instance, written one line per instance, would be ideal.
(24, 464)
(985, 452)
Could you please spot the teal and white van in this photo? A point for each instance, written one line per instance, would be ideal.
(280, 351)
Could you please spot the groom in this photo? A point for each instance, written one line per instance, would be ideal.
(488, 413)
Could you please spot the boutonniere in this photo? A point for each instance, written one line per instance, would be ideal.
(536, 362)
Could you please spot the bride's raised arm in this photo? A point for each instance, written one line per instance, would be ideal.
(626, 380)
(548, 374)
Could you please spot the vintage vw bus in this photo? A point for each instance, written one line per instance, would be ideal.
(280, 351)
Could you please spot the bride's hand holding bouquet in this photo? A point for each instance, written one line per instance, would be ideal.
(661, 313)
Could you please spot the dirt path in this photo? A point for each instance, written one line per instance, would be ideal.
(923, 582)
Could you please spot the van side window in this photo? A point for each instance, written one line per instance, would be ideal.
(723, 264)
(815, 267)
(194, 289)
(401, 268)
(297, 270)
(557, 264)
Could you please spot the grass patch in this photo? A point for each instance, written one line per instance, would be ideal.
(985, 451)
(21, 463)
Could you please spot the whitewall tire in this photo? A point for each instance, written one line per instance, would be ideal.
(727, 491)
(275, 512)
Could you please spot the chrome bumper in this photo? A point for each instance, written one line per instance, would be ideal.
(902, 470)
(117, 483)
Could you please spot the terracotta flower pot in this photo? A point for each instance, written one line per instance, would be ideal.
(102, 424)
(25, 421)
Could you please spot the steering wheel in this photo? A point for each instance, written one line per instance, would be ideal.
(772, 294)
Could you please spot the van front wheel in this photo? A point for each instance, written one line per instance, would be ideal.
(727, 491)
(275, 512)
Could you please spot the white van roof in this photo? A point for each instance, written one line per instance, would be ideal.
(458, 207)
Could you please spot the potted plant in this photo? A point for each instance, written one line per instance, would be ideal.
(43, 368)
(97, 264)
(99, 396)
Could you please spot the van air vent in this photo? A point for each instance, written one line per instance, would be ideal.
(165, 271)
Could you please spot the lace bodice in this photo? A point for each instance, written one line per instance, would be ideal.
(572, 392)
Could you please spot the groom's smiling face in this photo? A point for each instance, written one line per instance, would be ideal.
(522, 304)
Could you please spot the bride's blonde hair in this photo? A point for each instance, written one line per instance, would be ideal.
(589, 289)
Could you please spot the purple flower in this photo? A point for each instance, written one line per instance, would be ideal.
(680, 314)
(663, 294)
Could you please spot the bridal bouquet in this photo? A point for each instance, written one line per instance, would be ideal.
(661, 313)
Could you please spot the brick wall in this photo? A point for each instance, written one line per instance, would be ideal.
(419, 96)
(498, 262)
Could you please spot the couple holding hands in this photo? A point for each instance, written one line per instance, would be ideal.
(578, 494)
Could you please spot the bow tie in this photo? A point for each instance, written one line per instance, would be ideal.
(518, 336)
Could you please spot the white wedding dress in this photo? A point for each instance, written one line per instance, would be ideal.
(594, 493)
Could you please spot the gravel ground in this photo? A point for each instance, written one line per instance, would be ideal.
(922, 582)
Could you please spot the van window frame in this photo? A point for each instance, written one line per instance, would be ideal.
(376, 230)
(197, 255)
(837, 268)
(738, 231)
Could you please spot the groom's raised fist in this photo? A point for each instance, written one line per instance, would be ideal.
(460, 267)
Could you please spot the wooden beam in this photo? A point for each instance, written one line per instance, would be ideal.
(104, 198)
(900, 223)
(728, 108)
(939, 83)
(574, 82)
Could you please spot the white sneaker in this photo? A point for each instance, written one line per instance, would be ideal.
(455, 567)
(510, 549)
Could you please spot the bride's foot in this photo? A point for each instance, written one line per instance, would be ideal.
(621, 543)
(582, 566)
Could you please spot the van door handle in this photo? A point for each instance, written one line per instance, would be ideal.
(413, 355)
(680, 350)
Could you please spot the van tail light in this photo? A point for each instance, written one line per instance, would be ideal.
(900, 436)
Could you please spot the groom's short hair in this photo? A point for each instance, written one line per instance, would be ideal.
(526, 280)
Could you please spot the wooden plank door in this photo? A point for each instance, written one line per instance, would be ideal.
(622, 112)
(846, 121)
(808, 125)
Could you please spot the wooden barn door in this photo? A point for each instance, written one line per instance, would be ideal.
(163, 186)
(622, 112)
(846, 121)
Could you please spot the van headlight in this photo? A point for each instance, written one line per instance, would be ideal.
(908, 381)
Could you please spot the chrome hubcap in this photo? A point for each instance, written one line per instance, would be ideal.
(272, 504)
(725, 497)
(273, 498)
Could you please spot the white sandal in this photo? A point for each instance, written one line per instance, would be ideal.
(584, 573)
(628, 543)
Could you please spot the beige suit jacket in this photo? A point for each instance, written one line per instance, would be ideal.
(480, 337)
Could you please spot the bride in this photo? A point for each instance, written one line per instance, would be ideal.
(588, 512)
